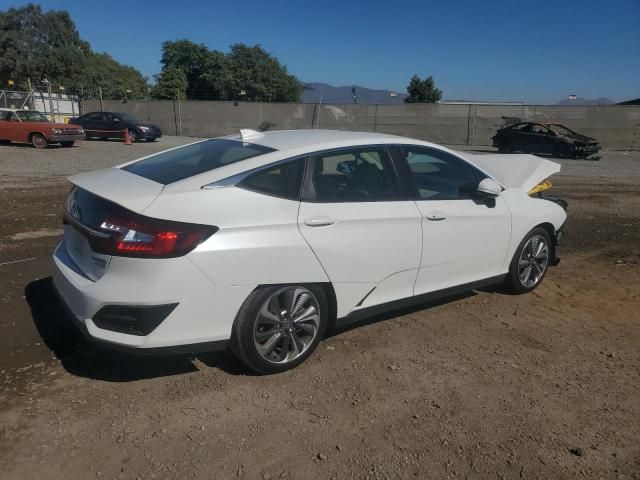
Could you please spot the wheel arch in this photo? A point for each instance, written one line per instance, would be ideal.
(551, 230)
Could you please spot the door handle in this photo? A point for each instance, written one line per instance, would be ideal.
(319, 221)
(435, 216)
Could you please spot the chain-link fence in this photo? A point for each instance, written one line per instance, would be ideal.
(57, 107)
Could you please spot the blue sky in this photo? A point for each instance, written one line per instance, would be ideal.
(536, 51)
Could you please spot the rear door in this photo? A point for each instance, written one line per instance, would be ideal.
(92, 123)
(362, 227)
(465, 237)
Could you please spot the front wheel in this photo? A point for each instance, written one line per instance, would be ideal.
(39, 141)
(530, 261)
(278, 327)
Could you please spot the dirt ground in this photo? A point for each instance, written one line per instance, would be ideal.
(484, 385)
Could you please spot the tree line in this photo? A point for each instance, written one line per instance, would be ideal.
(37, 45)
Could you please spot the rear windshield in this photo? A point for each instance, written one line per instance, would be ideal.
(185, 162)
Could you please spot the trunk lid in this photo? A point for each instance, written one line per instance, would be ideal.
(88, 205)
(514, 170)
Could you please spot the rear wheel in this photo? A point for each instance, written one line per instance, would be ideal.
(39, 141)
(530, 261)
(277, 328)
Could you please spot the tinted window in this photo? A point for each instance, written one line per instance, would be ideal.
(353, 175)
(283, 180)
(93, 116)
(440, 176)
(184, 162)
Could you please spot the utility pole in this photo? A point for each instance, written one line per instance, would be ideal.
(46, 82)
(101, 104)
(355, 95)
(30, 92)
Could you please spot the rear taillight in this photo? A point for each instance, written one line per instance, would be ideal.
(114, 230)
(134, 235)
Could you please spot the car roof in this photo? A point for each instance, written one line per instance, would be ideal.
(316, 139)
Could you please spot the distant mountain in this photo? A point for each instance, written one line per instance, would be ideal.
(585, 101)
(329, 94)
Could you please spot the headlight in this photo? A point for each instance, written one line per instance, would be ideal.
(56, 130)
(144, 129)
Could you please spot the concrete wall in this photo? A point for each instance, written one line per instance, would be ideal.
(616, 127)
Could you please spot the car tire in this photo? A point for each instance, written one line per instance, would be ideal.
(278, 327)
(530, 262)
(67, 144)
(133, 135)
(503, 148)
(38, 140)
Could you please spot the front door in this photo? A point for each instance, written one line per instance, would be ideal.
(361, 226)
(465, 236)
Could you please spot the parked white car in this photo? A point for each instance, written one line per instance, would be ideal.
(260, 241)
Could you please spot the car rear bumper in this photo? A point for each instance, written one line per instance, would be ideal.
(149, 306)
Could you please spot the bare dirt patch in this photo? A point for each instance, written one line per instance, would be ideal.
(485, 385)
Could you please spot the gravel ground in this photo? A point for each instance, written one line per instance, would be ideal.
(484, 385)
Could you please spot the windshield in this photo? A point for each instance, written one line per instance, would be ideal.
(560, 130)
(31, 116)
(190, 160)
(127, 118)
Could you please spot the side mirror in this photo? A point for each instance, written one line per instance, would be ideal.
(489, 188)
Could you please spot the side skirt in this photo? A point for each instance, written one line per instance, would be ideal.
(359, 315)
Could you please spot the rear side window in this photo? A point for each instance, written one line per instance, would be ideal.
(185, 162)
(284, 180)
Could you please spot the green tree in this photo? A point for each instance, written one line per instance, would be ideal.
(423, 91)
(261, 76)
(116, 80)
(212, 75)
(171, 84)
(201, 67)
(40, 45)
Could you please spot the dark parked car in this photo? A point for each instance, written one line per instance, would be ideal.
(551, 138)
(113, 125)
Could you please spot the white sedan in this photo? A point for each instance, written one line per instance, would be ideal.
(260, 241)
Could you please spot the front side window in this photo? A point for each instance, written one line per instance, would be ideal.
(353, 175)
(541, 129)
(441, 176)
(190, 160)
(283, 180)
(31, 116)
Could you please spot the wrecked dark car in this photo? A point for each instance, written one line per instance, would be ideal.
(550, 138)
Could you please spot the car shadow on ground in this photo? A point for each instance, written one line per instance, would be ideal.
(84, 358)
(81, 357)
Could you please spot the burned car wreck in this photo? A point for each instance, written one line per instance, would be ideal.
(551, 138)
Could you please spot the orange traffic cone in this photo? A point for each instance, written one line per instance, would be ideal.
(127, 137)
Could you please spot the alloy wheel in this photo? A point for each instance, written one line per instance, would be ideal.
(286, 325)
(533, 261)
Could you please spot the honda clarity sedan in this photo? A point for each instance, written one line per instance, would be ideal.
(259, 242)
